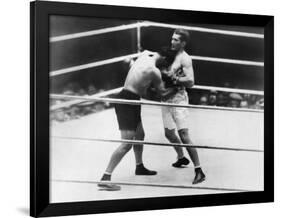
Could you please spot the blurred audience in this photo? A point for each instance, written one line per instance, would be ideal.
(92, 89)
(201, 97)
(212, 98)
(234, 100)
(81, 92)
(222, 99)
(76, 111)
(260, 103)
(203, 100)
(226, 99)
(73, 112)
(244, 104)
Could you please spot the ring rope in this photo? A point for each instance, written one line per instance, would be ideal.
(202, 29)
(116, 90)
(226, 60)
(93, 32)
(157, 143)
(148, 23)
(121, 58)
(153, 185)
(223, 89)
(152, 103)
(78, 101)
(92, 64)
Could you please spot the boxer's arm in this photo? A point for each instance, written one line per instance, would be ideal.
(187, 77)
(160, 86)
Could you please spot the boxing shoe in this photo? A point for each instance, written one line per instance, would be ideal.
(107, 186)
(199, 176)
(142, 171)
(180, 162)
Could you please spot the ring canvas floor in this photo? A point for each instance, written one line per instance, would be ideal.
(80, 162)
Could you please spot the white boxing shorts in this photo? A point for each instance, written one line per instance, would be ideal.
(176, 117)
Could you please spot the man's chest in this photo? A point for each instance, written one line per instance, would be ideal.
(176, 68)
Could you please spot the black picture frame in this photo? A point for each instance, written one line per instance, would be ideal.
(39, 108)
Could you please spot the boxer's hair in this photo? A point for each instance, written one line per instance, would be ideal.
(184, 35)
(168, 57)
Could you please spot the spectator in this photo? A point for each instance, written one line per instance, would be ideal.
(74, 112)
(226, 85)
(72, 87)
(203, 100)
(222, 99)
(244, 104)
(246, 97)
(212, 99)
(91, 90)
(60, 115)
(235, 100)
(88, 109)
(252, 101)
(81, 92)
(260, 103)
(99, 106)
(68, 92)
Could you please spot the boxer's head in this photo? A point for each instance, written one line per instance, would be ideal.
(180, 39)
(165, 57)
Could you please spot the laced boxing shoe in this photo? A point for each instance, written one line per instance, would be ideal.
(142, 171)
(199, 176)
(107, 186)
(180, 162)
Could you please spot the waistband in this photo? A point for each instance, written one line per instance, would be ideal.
(129, 94)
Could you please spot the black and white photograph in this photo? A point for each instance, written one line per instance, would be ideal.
(140, 108)
(145, 109)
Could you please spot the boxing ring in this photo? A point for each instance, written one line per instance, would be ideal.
(230, 141)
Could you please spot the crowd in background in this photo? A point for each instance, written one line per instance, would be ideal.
(226, 99)
(76, 110)
(197, 97)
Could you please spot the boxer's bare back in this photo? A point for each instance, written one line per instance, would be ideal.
(143, 74)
